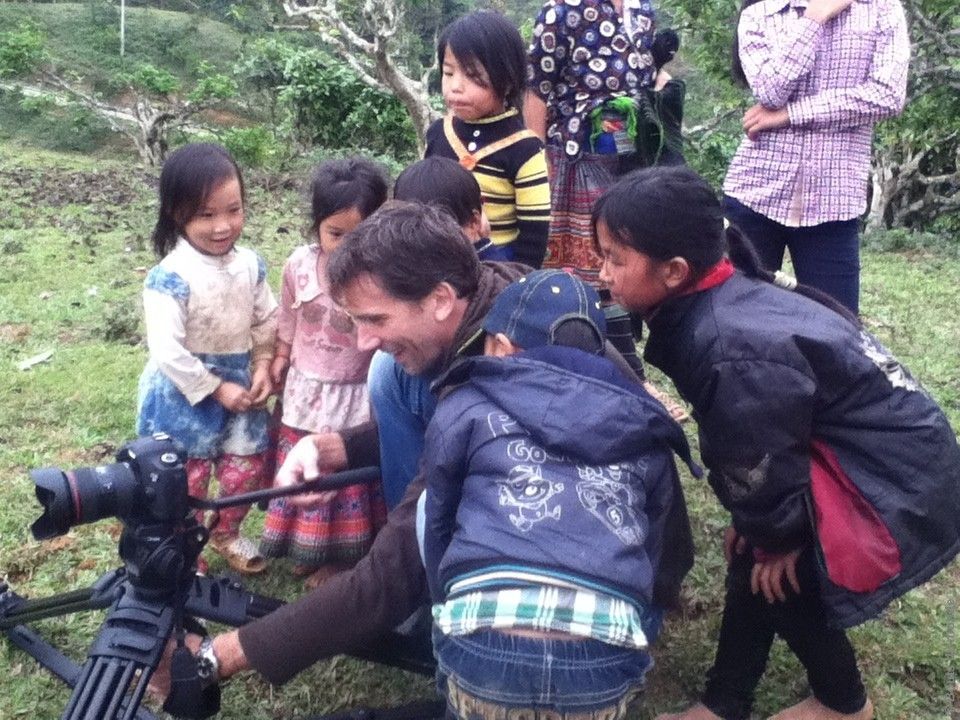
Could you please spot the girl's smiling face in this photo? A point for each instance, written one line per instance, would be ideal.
(332, 228)
(218, 222)
(636, 281)
(467, 91)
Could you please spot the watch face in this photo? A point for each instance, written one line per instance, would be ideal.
(205, 668)
(207, 665)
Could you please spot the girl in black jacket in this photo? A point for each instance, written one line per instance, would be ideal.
(841, 474)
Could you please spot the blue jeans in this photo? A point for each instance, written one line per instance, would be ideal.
(825, 256)
(403, 405)
(487, 674)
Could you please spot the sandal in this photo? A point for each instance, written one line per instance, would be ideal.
(677, 411)
(240, 553)
(322, 574)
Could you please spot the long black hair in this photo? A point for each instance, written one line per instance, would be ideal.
(486, 39)
(188, 176)
(352, 182)
(667, 212)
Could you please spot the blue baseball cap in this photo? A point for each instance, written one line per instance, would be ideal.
(538, 308)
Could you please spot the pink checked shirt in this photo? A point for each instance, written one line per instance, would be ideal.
(836, 80)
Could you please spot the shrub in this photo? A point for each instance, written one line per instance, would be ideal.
(252, 147)
(21, 50)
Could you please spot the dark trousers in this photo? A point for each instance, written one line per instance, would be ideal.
(746, 634)
(825, 256)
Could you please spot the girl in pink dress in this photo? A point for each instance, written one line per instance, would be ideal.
(324, 378)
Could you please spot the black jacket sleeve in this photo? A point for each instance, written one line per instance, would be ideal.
(755, 422)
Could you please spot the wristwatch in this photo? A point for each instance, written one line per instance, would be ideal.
(208, 666)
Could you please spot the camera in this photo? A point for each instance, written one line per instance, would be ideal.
(147, 485)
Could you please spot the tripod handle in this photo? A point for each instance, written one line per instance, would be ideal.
(335, 481)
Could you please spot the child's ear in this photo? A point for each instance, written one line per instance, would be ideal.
(499, 345)
(675, 272)
(473, 228)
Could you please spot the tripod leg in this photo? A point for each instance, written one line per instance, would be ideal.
(17, 610)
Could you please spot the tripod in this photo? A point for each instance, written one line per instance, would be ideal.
(153, 597)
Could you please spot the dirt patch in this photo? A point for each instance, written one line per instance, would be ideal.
(42, 187)
(14, 332)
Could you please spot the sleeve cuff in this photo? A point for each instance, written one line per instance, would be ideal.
(362, 444)
(201, 389)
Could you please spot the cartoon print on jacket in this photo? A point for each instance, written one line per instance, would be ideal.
(603, 492)
(527, 490)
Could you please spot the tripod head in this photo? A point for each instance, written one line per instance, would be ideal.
(147, 490)
(151, 597)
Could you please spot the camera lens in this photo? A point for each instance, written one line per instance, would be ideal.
(79, 496)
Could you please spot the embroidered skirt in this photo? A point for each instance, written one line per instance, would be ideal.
(340, 531)
(575, 187)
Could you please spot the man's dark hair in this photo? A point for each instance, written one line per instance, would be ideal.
(409, 249)
(486, 39)
(442, 182)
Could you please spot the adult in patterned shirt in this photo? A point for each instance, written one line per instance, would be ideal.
(822, 72)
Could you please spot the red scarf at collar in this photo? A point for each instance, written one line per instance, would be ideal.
(717, 275)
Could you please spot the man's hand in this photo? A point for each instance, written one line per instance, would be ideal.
(825, 10)
(233, 397)
(159, 685)
(260, 385)
(226, 647)
(768, 574)
(759, 118)
(311, 457)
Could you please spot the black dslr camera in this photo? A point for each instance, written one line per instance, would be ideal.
(147, 483)
(147, 489)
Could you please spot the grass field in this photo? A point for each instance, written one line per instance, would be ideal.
(73, 251)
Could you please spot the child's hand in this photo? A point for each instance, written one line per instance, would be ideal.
(260, 386)
(768, 573)
(733, 544)
(278, 369)
(233, 397)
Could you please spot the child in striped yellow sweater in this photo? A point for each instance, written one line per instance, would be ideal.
(484, 76)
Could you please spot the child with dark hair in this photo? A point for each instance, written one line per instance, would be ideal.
(211, 323)
(841, 473)
(484, 73)
(442, 182)
(323, 375)
(555, 530)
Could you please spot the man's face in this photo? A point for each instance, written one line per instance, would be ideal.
(410, 331)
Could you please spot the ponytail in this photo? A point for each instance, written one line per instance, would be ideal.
(744, 257)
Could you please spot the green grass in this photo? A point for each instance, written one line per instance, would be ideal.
(69, 224)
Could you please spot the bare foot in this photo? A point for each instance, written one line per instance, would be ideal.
(324, 573)
(813, 709)
(697, 712)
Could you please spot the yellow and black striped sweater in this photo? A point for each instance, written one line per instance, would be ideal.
(513, 181)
